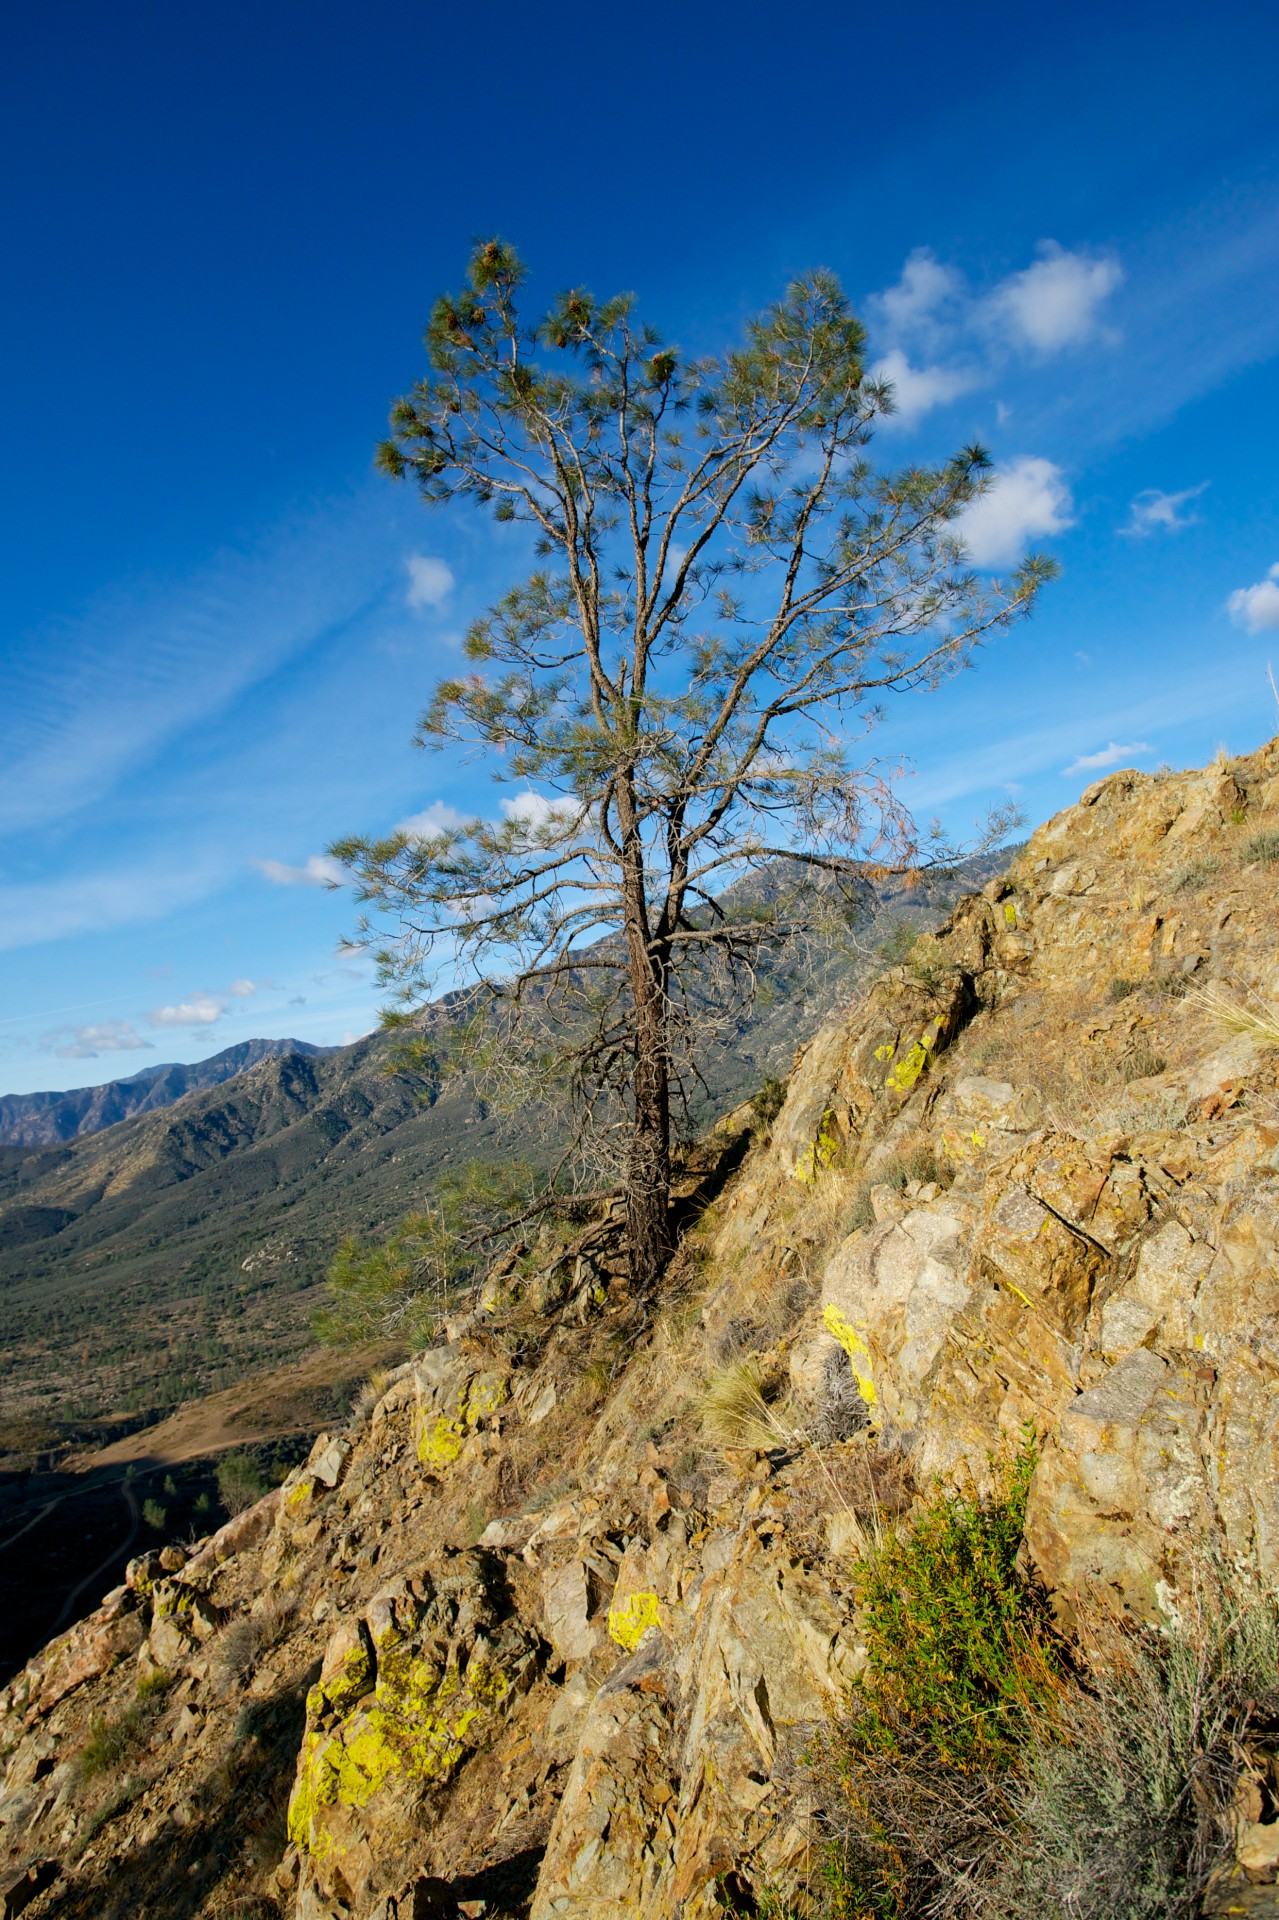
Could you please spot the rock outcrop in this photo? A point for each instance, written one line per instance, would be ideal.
(518, 1642)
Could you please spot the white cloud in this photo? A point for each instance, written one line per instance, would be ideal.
(434, 820)
(1110, 756)
(86, 1043)
(1027, 500)
(1157, 512)
(319, 871)
(1055, 303)
(1256, 608)
(430, 581)
(200, 1010)
(242, 989)
(917, 390)
(915, 304)
(538, 814)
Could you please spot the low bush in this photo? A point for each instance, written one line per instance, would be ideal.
(240, 1483)
(988, 1770)
(1125, 1802)
(1264, 847)
(961, 1655)
(1196, 873)
(243, 1641)
(769, 1101)
(112, 1742)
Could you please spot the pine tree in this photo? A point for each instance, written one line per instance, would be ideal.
(725, 591)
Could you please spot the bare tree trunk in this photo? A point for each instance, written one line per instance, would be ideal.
(648, 1177)
(648, 1173)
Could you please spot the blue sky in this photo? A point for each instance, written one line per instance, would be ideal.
(223, 230)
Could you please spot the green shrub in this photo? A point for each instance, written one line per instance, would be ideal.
(240, 1483)
(1196, 873)
(1119, 988)
(112, 1742)
(961, 1657)
(1173, 986)
(154, 1515)
(895, 948)
(958, 1642)
(769, 1101)
(1264, 847)
(986, 1770)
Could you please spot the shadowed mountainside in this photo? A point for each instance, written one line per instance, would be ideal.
(42, 1119)
(157, 1260)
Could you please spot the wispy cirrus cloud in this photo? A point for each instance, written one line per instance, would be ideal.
(35, 911)
(101, 694)
(1111, 755)
(1154, 511)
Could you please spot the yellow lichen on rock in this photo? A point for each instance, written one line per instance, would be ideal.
(439, 1441)
(902, 1077)
(856, 1349)
(485, 1394)
(631, 1621)
(822, 1152)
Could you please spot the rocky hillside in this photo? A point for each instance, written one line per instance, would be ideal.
(161, 1258)
(520, 1640)
(41, 1119)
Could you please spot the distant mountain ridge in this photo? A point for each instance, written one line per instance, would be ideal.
(44, 1119)
(174, 1252)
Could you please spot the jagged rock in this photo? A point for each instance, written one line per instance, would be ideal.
(89, 1650)
(571, 1600)
(404, 1694)
(17, 1894)
(242, 1531)
(1023, 1182)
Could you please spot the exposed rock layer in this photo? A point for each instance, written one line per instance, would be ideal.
(516, 1643)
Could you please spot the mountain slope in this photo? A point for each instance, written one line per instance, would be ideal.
(159, 1258)
(41, 1119)
(547, 1631)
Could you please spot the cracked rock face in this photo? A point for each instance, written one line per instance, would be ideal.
(519, 1642)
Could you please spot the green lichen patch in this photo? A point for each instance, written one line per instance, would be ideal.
(340, 1691)
(902, 1076)
(423, 1715)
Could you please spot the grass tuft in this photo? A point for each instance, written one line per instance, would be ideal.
(1257, 1022)
(736, 1414)
(1264, 847)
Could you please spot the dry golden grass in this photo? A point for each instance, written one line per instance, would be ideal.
(1252, 1019)
(736, 1414)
